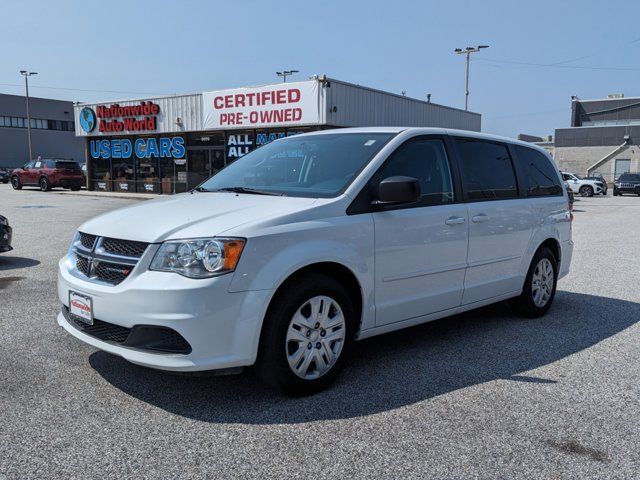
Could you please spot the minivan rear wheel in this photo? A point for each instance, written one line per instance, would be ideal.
(307, 336)
(539, 287)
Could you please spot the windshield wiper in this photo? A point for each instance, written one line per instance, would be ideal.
(200, 189)
(247, 190)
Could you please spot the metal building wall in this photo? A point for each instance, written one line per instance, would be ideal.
(186, 107)
(360, 106)
(14, 147)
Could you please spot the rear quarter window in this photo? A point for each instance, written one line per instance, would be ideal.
(540, 175)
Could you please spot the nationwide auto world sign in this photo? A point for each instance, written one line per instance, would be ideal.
(129, 118)
(262, 107)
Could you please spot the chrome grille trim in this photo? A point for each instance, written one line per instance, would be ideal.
(99, 265)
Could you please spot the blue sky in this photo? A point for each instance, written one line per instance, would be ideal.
(541, 52)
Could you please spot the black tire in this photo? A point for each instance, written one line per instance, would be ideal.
(272, 365)
(16, 183)
(75, 189)
(586, 191)
(45, 186)
(524, 305)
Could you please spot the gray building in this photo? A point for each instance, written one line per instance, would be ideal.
(52, 130)
(171, 144)
(604, 137)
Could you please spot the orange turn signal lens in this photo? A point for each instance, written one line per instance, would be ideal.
(232, 251)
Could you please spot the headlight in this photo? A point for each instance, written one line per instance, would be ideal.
(200, 257)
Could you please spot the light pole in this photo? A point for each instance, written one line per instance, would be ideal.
(26, 86)
(285, 73)
(468, 51)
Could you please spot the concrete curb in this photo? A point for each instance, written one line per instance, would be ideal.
(129, 196)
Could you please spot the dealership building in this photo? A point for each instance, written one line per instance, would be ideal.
(52, 130)
(171, 144)
(604, 137)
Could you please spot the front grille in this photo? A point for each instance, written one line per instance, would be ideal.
(127, 248)
(113, 273)
(141, 337)
(87, 240)
(107, 260)
(82, 264)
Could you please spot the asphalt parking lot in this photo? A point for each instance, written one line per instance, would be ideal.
(480, 395)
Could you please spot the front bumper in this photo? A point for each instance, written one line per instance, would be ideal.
(5, 238)
(222, 328)
(627, 190)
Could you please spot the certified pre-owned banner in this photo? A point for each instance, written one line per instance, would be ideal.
(260, 107)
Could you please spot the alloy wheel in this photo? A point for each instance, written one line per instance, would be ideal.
(315, 337)
(542, 282)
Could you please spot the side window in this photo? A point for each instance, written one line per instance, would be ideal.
(50, 164)
(565, 177)
(487, 168)
(29, 165)
(542, 178)
(426, 160)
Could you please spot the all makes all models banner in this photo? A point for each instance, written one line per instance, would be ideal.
(262, 107)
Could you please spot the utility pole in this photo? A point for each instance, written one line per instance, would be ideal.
(285, 73)
(26, 86)
(468, 51)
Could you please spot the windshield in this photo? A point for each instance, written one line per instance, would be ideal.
(629, 177)
(305, 166)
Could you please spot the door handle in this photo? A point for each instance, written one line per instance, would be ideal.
(480, 218)
(455, 220)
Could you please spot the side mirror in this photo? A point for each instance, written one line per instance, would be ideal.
(397, 190)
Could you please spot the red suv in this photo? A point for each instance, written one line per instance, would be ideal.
(48, 173)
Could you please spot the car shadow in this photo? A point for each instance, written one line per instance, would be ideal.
(8, 262)
(393, 370)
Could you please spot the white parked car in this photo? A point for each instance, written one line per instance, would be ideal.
(307, 244)
(586, 188)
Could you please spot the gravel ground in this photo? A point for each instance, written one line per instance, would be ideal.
(479, 395)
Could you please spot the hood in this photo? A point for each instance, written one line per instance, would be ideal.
(201, 214)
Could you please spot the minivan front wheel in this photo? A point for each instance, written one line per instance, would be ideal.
(539, 287)
(307, 336)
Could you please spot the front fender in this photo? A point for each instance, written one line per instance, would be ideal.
(269, 259)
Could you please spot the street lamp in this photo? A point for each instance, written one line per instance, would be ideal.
(26, 86)
(285, 73)
(468, 51)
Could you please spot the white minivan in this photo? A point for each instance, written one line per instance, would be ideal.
(296, 250)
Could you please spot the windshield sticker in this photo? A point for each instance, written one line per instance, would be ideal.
(368, 143)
